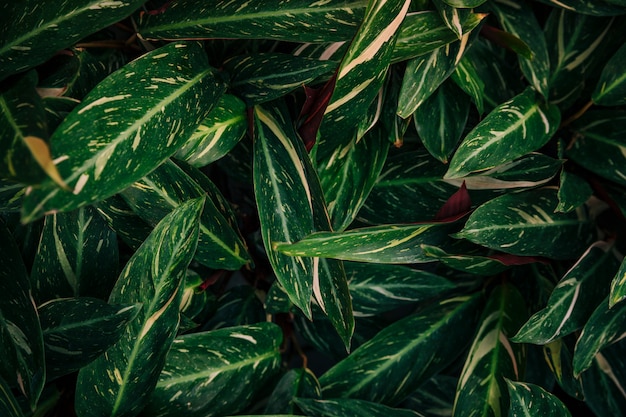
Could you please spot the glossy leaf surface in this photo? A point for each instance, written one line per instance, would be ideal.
(618, 286)
(611, 87)
(532, 400)
(350, 407)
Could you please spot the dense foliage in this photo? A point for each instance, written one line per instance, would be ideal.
(323, 208)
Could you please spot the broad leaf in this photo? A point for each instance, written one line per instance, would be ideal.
(128, 226)
(618, 285)
(299, 382)
(400, 357)
(453, 17)
(558, 355)
(433, 398)
(574, 298)
(532, 400)
(78, 330)
(590, 7)
(21, 350)
(603, 383)
(120, 132)
(611, 88)
(467, 78)
(43, 32)
(573, 192)
(153, 276)
(9, 406)
(346, 407)
(525, 224)
(513, 129)
(203, 371)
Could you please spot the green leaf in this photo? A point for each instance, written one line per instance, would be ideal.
(153, 276)
(468, 79)
(346, 407)
(519, 19)
(77, 256)
(43, 32)
(574, 298)
(441, 119)
(513, 129)
(433, 398)
(599, 144)
(57, 109)
(573, 192)
(223, 128)
(78, 330)
(388, 367)
(11, 194)
(452, 16)
(525, 224)
(378, 288)
(481, 389)
(611, 88)
(119, 132)
(558, 355)
(168, 186)
(299, 382)
(470, 263)
(335, 20)
(128, 226)
(604, 327)
(9, 406)
(589, 7)
(203, 372)
(262, 77)
(532, 400)
(238, 306)
(467, 4)
(21, 350)
(618, 286)
(603, 383)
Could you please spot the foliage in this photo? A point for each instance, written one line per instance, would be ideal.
(319, 208)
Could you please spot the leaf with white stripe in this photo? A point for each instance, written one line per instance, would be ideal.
(611, 87)
(399, 358)
(588, 7)
(168, 186)
(513, 129)
(477, 264)
(575, 297)
(378, 288)
(618, 285)
(298, 382)
(43, 31)
(9, 406)
(605, 327)
(203, 372)
(603, 382)
(346, 407)
(558, 355)
(127, 225)
(127, 126)
(467, 78)
(78, 330)
(238, 306)
(529, 400)
(222, 129)
(153, 276)
(454, 17)
(481, 391)
(11, 194)
(573, 192)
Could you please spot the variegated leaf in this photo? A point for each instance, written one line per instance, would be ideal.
(465, 262)
(119, 382)
(467, 4)
(574, 298)
(433, 398)
(22, 351)
(467, 78)
(378, 288)
(203, 371)
(618, 286)
(306, 21)
(128, 226)
(558, 356)
(9, 406)
(481, 390)
(77, 256)
(452, 16)
(513, 129)
(589, 7)
(222, 129)
(611, 88)
(525, 224)
(238, 306)
(78, 330)
(346, 407)
(298, 382)
(573, 192)
(603, 382)
(127, 126)
(57, 109)
(532, 400)
(168, 186)
(44, 31)
(11, 194)
(388, 367)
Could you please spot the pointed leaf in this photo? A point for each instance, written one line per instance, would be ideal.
(119, 133)
(611, 88)
(618, 285)
(153, 276)
(203, 371)
(78, 330)
(513, 129)
(11, 194)
(468, 79)
(453, 17)
(603, 383)
(434, 398)
(532, 400)
(238, 306)
(128, 226)
(558, 355)
(472, 264)
(573, 192)
(346, 407)
(574, 298)
(299, 382)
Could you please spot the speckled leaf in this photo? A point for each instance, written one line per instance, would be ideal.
(618, 285)
(119, 382)
(346, 407)
(22, 351)
(470, 263)
(441, 119)
(11, 194)
(467, 78)
(299, 382)
(604, 327)
(558, 355)
(600, 145)
(603, 383)
(573, 192)
(262, 77)
(203, 372)
(513, 129)
(30, 33)
(168, 186)
(519, 19)
(388, 367)
(306, 21)
(9, 406)
(238, 306)
(77, 256)
(197, 303)
(78, 330)
(452, 16)
(529, 400)
(574, 298)
(128, 226)
(128, 125)
(481, 390)
(378, 288)
(611, 88)
(590, 7)
(525, 224)
(217, 134)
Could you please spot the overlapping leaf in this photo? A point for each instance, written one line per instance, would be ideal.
(346, 407)
(573, 192)
(611, 88)
(532, 400)
(603, 382)
(128, 226)
(618, 285)
(466, 262)
(299, 382)
(559, 355)
(454, 17)
(238, 306)
(593, 8)
(127, 126)
(8, 404)
(434, 397)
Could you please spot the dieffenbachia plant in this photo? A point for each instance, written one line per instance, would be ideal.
(319, 208)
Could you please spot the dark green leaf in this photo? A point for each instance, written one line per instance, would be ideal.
(558, 355)
(611, 88)
(532, 400)
(590, 7)
(57, 109)
(9, 406)
(467, 78)
(603, 383)
(299, 382)
(11, 194)
(238, 306)
(346, 407)
(123, 221)
(573, 192)
(618, 285)
(465, 262)
(434, 398)
(468, 4)
(453, 17)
